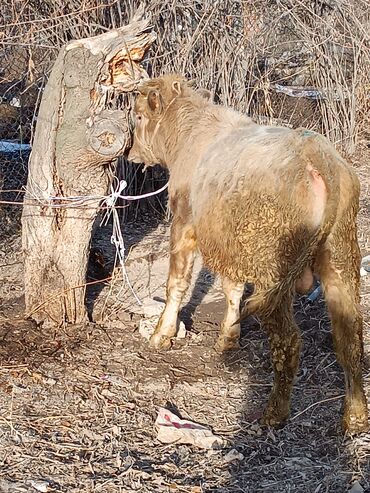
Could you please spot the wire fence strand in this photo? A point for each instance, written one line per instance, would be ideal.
(287, 62)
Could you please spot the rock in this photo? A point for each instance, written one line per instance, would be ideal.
(50, 381)
(42, 486)
(181, 333)
(24, 487)
(152, 308)
(147, 327)
(233, 455)
(365, 266)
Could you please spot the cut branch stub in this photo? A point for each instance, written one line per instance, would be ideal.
(108, 133)
(77, 137)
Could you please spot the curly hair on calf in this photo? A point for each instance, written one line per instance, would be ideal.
(265, 205)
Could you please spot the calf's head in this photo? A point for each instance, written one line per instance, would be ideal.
(156, 118)
(151, 108)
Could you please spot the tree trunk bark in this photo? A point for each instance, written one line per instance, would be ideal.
(77, 139)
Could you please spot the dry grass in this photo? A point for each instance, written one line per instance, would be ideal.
(238, 49)
(78, 404)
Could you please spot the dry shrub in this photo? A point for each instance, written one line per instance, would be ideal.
(239, 49)
(336, 34)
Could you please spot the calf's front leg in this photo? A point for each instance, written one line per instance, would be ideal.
(183, 245)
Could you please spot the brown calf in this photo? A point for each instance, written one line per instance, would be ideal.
(263, 205)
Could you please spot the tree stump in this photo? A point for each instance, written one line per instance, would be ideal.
(77, 138)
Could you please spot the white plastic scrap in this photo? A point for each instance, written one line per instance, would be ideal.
(356, 488)
(365, 266)
(172, 429)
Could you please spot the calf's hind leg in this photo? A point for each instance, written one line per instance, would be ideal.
(183, 245)
(230, 331)
(285, 344)
(338, 265)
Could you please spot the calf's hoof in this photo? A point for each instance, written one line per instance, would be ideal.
(355, 416)
(274, 421)
(275, 416)
(355, 422)
(355, 427)
(224, 343)
(160, 341)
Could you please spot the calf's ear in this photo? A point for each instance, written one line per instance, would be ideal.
(176, 87)
(204, 93)
(155, 102)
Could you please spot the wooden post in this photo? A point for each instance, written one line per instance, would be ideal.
(77, 138)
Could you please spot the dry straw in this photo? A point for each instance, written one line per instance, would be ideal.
(236, 48)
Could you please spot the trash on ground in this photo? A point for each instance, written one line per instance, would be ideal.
(172, 429)
(356, 488)
(10, 146)
(314, 294)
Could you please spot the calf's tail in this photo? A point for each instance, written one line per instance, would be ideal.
(265, 302)
(317, 153)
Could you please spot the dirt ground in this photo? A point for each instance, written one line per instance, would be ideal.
(78, 404)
